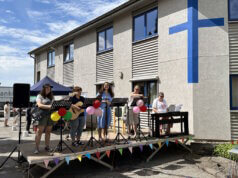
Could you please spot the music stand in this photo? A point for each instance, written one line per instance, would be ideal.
(134, 104)
(89, 102)
(119, 102)
(56, 105)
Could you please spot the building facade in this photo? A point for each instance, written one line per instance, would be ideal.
(186, 48)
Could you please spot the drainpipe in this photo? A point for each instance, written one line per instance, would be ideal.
(34, 67)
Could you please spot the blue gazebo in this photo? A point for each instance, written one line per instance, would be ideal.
(56, 88)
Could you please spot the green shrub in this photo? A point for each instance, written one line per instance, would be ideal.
(222, 150)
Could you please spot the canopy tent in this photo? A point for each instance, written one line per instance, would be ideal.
(56, 88)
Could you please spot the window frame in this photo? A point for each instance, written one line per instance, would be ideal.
(105, 40)
(144, 14)
(229, 17)
(231, 107)
(51, 54)
(65, 46)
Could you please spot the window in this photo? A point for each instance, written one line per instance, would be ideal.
(51, 58)
(38, 76)
(233, 92)
(145, 25)
(105, 40)
(233, 10)
(148, 89)
(69, 52)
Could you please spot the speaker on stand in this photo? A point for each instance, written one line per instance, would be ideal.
(21, 99)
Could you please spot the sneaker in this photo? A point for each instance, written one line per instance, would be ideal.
(75, 144)
(29, 132)
(36, 151)
(80, 143)
(48, 149)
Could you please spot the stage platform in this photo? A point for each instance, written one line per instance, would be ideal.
(27, 150)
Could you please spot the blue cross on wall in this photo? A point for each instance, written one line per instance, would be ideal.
(192, 26)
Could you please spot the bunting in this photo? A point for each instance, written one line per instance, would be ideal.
(108, 153)
(167, 142)
(80, 158)
(98, 155)
(151, 146)
(46, 163)
(56, 160)
(176, 141)
(131, 149)
(141, 148)
(67, 159)
(121, 150)
(88, 155)
(159, 143)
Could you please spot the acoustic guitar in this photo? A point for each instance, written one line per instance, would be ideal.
(75, 112)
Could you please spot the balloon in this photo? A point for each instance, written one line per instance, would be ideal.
(143, 108)
(140, 103)
(96, 104)
(90, 110)
(67, 116)
(62, 111)
(55, 116)
(136, 109)
(98, 112)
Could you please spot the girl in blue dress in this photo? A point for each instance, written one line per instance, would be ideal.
(106, 94)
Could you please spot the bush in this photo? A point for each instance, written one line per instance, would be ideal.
(222, 150)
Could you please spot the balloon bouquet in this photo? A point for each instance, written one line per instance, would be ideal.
(140, 107)
(62, 112)
(95, 109)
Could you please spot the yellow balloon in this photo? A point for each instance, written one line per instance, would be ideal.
(55, 116)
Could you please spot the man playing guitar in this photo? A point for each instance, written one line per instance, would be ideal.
(77, 122)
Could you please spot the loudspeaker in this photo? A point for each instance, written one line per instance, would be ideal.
(21, 95)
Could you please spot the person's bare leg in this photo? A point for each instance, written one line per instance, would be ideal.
(99, 133)
(5, 122)
(47, 135)
(39, 132)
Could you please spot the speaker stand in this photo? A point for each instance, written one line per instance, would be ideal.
(16, 147)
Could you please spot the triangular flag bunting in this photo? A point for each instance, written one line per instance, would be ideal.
(46, 163)
(67, 159)
(131, 149)
(56, 160)
(232, 142)
(108, 153)
(80, 158)
(176, 141)
(159, 143)
(141, 148)
(121, 150)
(167, 142)
(151, 146)
(88, 155)
(182, 140)
(98, 155)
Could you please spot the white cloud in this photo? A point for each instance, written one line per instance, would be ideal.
(3, 21)
(7, 50)
(34, 14)
(9, 12)
(16, 70)
(31, 36)
(87, 9)
(62, 27)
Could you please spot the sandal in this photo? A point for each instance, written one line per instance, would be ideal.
(48, 149)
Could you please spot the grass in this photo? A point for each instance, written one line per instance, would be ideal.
(222, 150)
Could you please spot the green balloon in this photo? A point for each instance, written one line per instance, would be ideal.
(67, 116)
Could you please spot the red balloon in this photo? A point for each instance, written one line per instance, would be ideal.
(143, 108)
(96, 104)
(62, 111)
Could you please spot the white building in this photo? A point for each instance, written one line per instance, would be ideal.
(186, 48)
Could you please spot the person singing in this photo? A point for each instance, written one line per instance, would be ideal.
(77, 125)
(133, 120)
(44, 101)
(106, 94)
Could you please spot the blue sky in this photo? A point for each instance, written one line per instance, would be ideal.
(27, 24)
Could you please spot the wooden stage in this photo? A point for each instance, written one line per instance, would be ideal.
(27, 150)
